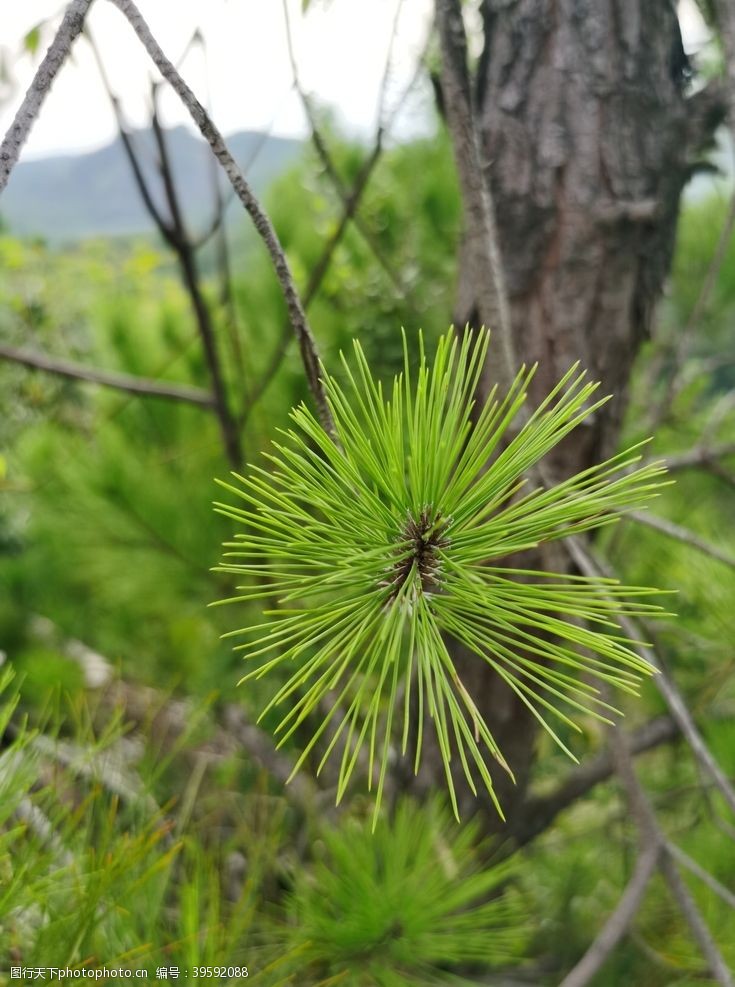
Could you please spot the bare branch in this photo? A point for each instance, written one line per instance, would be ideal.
(107, 378)
(261, 221)
(222, 245)
(697, 925)
(712, 883)
(174, 233)
(591, 566)
(617, 924)
(540, 811)
(163, 225)
(317, 276)
(698, 456)
(483, 247)
(322, 151)
(650, 835)
(184, 251)
(20, 128)
(684, 535)
(350, 203)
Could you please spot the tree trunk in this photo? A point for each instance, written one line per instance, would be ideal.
(589, 137)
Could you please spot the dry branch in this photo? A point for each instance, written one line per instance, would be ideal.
(698, 456)
(184, 250)
(483, 246)
(20, 128)
(704, 876)
(684, 535)
(540, 811)
(590, 566)
(618, 923)
(107, 378)
(650, 835)
(173, 232)
(261, 221)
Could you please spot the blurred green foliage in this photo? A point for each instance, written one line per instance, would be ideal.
(106, 530)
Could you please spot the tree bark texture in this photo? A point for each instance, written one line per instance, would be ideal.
(588, 134)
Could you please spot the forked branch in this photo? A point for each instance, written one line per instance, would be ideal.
(261, 221)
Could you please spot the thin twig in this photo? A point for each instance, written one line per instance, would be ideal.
(69, 30)
(704, 876)
(694, 919)
(182, 246)
(540, 811)
(327, 161)
(684, 535)
(650, 834)
(173, 231)
(163, 225)
(350, 203)
(590, 566)
(697, 456)
(107, 378)
(485, 254)
(261, 221)
(618, 923)
(384, 82)
(316, 277)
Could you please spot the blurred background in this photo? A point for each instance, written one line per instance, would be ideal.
(143, 815)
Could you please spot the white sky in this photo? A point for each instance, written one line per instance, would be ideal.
(341, 48)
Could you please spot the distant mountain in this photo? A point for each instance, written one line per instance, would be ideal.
(93, 194)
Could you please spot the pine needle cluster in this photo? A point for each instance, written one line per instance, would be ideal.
(410, 904)
(386, 545)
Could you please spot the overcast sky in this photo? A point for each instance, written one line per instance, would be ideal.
(341, 47)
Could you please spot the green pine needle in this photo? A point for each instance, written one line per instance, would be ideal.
(387, 544)
(411, 904)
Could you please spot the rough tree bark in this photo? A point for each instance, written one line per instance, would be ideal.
(589, 134)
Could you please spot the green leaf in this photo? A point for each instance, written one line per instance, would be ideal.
(32, 39)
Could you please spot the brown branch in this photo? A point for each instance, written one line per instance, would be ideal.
(694, 919)
(174, 233)
(618, 923)
(316, 276)
(107, 378)
(482, 237)
(69, 30)
(698, 456)
(203, 237)
(163, 226)
(350, 202)
(590, 566)
(222, 247)
(261, 221)
(704, 876)
(322, 151)
(540, 811)
(683, 535)
(650, 835)
(187, 261)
